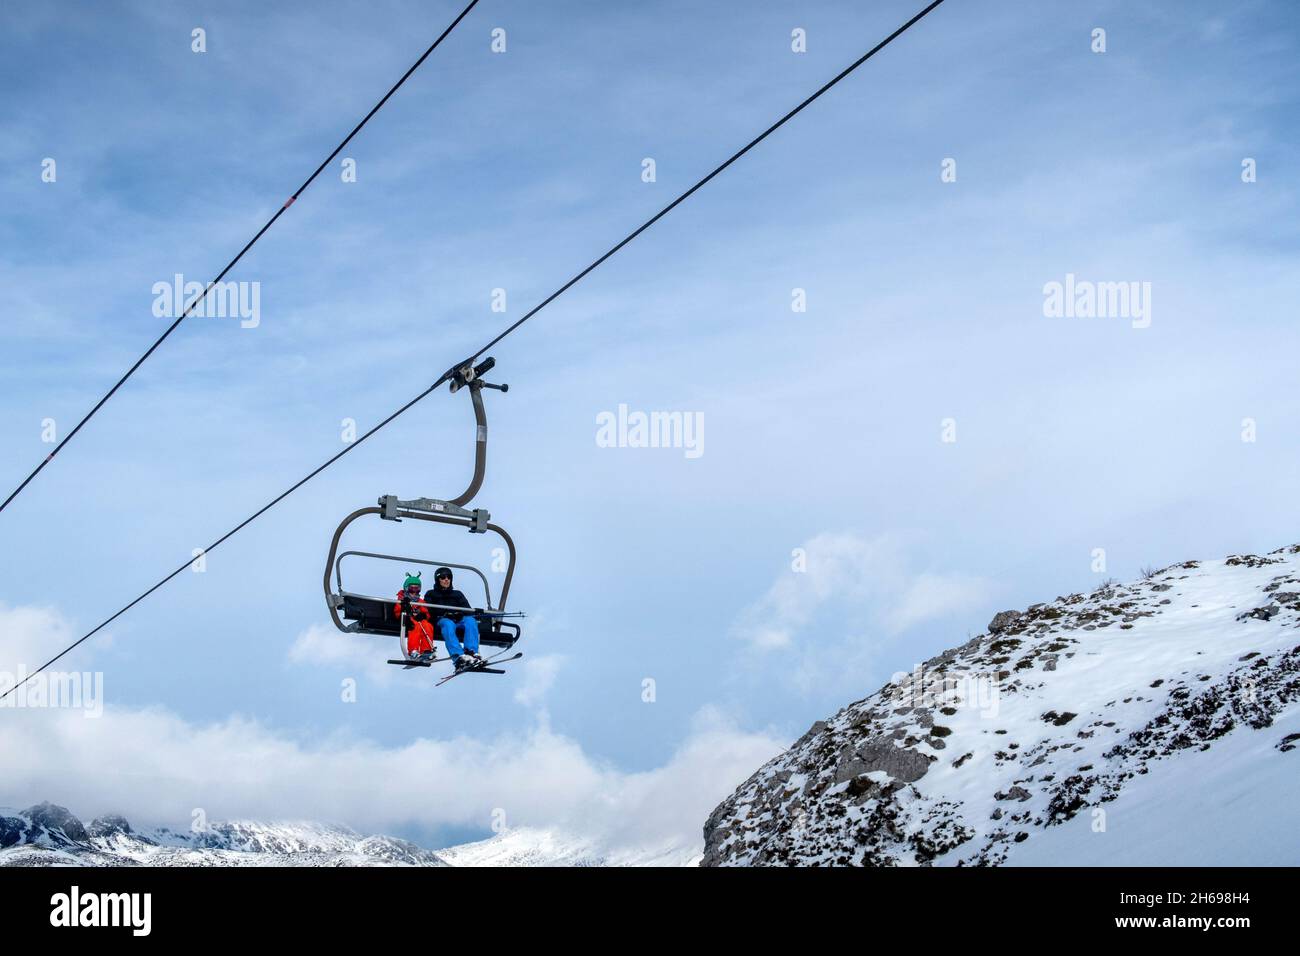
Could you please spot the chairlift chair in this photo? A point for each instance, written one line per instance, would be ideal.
(357, 613)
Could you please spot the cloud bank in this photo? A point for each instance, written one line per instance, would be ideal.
(867, 580)
(155, 766)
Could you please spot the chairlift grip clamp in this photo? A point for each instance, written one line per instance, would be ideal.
(467, 373)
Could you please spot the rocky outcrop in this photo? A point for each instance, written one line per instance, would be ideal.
(1054, 710)
(45, 825)
(109, 825)
(1004, 620)
(57, 822)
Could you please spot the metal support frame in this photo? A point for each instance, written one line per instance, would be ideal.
(335, 601)
(395, 509)
(442, 511)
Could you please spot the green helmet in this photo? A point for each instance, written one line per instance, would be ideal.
(412, 579)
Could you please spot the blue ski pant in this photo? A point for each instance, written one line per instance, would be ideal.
(447, 628)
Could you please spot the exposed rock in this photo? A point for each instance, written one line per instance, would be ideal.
(1004, 620)
(1265, 613)
(109, 825)
(863, 784)
(55, 818)
(813, 731)
(901, 763)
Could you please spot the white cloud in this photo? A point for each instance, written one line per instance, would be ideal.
(929, 596)
(156, 767)
(30, 636)
(837, 565)
(673, 801)
(320, 644)
(867, 580)
(539, 675)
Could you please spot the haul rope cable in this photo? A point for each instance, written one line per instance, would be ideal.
(447, 375)
(231, 264)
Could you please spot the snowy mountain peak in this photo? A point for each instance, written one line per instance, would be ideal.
(50, 835)
(992, 752)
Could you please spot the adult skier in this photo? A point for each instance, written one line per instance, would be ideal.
(452, 624)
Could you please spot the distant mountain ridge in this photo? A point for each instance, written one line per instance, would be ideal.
(51, 835)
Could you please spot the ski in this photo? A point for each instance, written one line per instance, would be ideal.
(411, 663)
(486, 668)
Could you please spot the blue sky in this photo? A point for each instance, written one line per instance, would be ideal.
(822, 428)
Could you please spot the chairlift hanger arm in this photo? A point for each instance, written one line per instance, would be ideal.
(468, 376)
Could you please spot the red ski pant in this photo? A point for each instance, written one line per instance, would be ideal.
(419, 637)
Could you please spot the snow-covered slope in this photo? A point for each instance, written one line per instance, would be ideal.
(1149, 723)
(537, 847)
